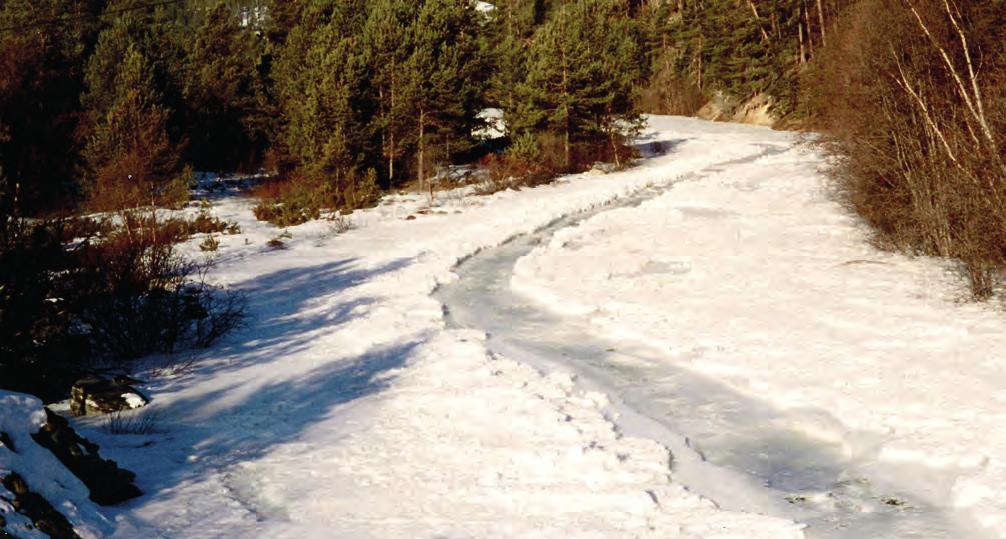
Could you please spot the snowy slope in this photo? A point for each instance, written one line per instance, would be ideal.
(346, 409)
(758, 279)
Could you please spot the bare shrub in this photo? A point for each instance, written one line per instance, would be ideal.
(911, 94)
(298, 198)
(536, 159)
(119, 292)
(290, 201)
(140, 297)
(209, 244)
(340, 223)
(142, 422)
(530, 160)
(174, 366)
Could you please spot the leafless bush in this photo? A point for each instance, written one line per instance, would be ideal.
(340, 223)
(299, 197)
(912, 96)
(174, 366)
(143, 421)
(209, 244)
(533, 160)
(138, 296)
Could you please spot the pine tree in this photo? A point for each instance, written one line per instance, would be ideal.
(514, 22)
(325, 100)
(41, 71)
(386, 43)
(445, 87)
(223, 92)
(583, 66)
(129, 156)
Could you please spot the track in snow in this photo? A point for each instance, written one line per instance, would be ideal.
(741, 453)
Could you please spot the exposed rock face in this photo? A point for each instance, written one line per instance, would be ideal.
(756, 111)
(719, 108)
(100, 396)
(759, 110)
(107, 483)
(42, 514)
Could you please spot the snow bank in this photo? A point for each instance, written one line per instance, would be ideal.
(757, 278)
(20, 417)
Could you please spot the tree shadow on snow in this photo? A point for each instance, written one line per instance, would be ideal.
(250, 413)
(290, 308)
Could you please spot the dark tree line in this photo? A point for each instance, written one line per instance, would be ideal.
(114, 103)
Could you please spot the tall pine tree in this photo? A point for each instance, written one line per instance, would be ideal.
(583, 66)
(130, 158)
(446, 81)
(223, 93)
(41, 76)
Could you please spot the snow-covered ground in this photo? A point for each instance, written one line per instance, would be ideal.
(756, 278)
(347, 408)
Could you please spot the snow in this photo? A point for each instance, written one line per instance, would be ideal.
(20, 417)
(134, 400)
(757, 278)
(495, 125)
(348, 409)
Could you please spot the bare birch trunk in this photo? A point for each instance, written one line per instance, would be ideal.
(761, 27)
(820, 16)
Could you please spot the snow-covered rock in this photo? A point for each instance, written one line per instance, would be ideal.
(41, 473)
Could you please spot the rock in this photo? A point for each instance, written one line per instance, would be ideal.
(42, 514)
(5, 441)
(756, 111)
(107, 483)
(100, 396)
(719, 108)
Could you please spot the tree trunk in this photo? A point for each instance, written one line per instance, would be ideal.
(700, 63)
(394, 149)
(810, 34)
(422, 147)
(761, 28)
(565, 93)
(820, 16)
(803, 48)
(614, 148)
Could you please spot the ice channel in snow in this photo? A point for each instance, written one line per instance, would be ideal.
(743, 453)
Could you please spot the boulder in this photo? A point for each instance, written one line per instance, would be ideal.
(108, 484)
(101, 396)
(43, 515)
